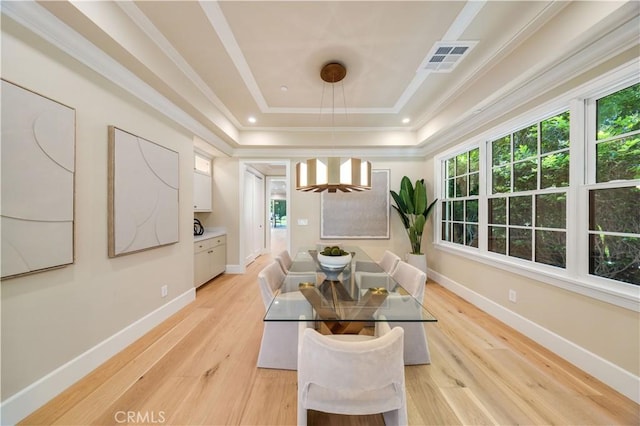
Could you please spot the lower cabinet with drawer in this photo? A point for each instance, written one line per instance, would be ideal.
(210, 259)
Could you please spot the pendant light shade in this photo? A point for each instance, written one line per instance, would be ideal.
(333, 174)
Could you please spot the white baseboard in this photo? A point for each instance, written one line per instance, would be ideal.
(29, 399)
(619, 379)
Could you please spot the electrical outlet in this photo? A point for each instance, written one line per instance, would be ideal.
(303, 222)
(164, 290)
(513, 296)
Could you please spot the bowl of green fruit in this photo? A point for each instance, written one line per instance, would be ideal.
(333, 257)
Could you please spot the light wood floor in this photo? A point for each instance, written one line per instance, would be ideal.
(198, 368)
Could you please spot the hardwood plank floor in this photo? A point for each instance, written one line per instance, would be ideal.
(199, 368)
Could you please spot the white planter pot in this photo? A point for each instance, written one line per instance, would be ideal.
(418, 260)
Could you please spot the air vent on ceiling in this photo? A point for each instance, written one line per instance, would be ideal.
(445, 56)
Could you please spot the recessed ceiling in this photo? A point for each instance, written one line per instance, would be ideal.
(415, 69)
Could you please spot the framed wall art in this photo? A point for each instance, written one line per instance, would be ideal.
(357, 215)
(38, 171)
(144, 183)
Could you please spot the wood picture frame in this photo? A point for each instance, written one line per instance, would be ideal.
(144, 184)
(357, 215)
(38, 181)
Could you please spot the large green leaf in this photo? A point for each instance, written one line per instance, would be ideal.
(427, 211)
(419, 197)
(406, 194)
(402, 207)
(404, 217)
(419, 224)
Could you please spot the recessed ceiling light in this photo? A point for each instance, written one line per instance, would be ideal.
(406, 120)
(284, 88)
(252, 120)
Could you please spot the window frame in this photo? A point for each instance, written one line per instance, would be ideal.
(444, 198)
(575, 276)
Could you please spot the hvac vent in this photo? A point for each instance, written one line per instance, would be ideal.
(445, 56)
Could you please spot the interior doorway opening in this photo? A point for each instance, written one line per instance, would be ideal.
(279, 224)
(274, 198)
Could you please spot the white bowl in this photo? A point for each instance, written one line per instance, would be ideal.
(334, 262)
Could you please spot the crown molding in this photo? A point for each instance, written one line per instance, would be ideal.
(41, 22)
(156, 37)
(395, 153)
(612, 44)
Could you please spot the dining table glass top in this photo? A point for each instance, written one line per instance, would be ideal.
(361, 292)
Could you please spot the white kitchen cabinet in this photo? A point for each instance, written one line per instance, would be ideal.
(210, 259)
(201, 192)
(202, 184)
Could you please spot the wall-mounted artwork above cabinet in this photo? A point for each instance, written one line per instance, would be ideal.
(144, 181)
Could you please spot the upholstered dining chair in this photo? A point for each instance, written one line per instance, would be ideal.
(416, 346)
(285, 260)
(352, 374)
(387, 262)
(270, 279)
(411, 279)
(303, 269)
(368, 274)
(278, 348)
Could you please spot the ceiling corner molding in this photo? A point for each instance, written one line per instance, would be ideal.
(156, 37)
(365, 153)
(221, 27)
(613, 43)
(41, 22)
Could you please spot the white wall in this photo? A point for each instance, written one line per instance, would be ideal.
(306, 205)
(50, 318)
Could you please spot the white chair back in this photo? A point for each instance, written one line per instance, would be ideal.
(411, 278)
(352, 376)
(285, 260)
(389, 261)
(270, 279)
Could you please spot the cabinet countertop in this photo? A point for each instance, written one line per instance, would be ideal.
(209, 233)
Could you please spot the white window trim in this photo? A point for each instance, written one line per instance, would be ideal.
(575, 276)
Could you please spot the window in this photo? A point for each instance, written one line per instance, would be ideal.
(555, 196)
(614, 200)
(526, 210)
(460, 198)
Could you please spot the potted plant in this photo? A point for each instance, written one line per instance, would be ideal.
(411, 205)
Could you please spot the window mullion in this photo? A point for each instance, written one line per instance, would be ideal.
(484, 173)
(577, 197)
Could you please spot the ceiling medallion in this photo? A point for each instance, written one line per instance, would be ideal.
(333, 174)
(333, 72)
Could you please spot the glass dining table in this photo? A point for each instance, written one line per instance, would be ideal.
(343, 301)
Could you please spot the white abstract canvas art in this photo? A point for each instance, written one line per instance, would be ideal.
(38, 163)
(143, 194)
(357, 215)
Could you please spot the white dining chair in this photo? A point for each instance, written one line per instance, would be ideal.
(416, 345)
(352, 374)
(284, 259)
(301, 270)
(387, 263)
(278, 347)
(270, 278)
(375, 274)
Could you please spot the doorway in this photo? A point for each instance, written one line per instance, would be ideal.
(279, 224)
(275, 174)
